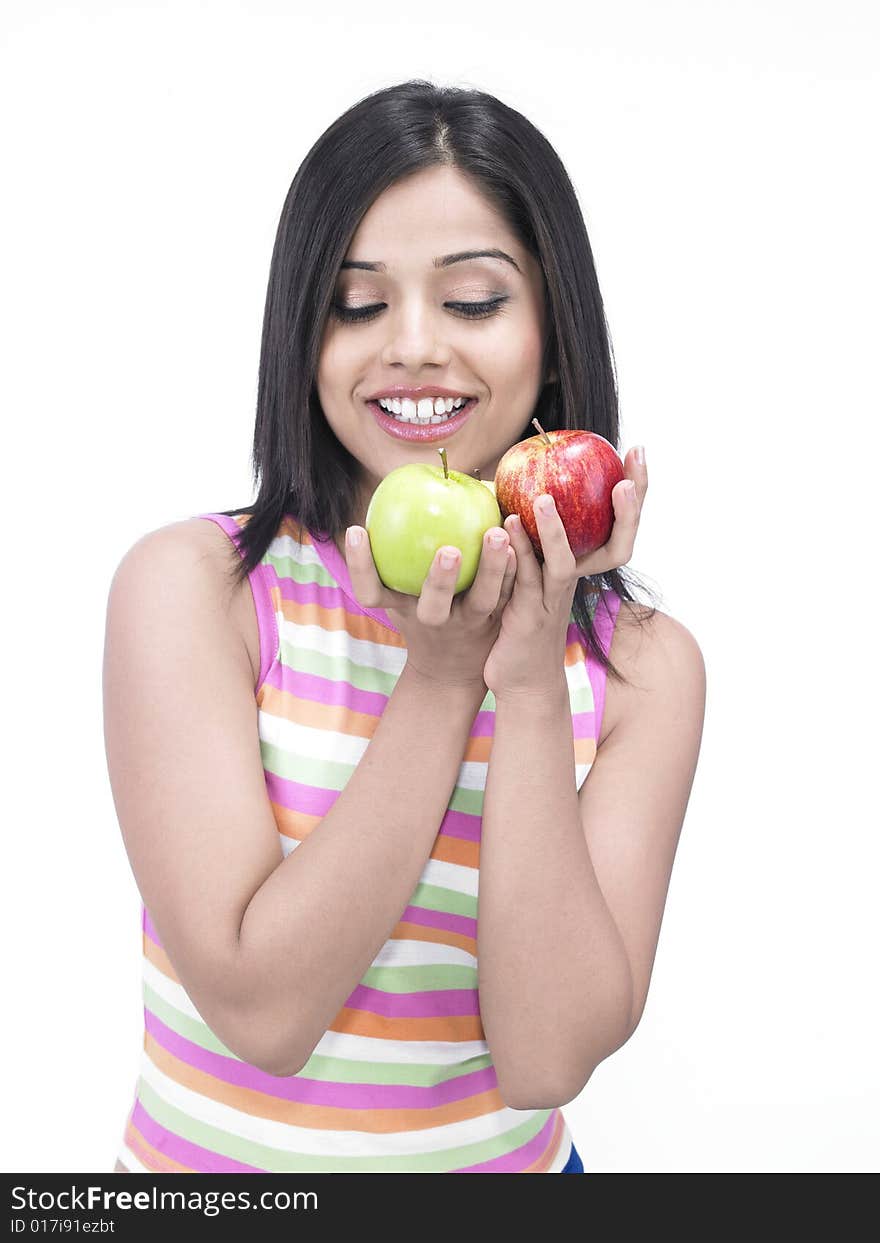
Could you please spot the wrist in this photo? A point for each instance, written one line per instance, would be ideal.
(435, 685)
(548, 696)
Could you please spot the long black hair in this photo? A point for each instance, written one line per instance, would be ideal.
(299, 467)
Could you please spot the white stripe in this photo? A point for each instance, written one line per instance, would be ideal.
(472, 775)
(314, 743)
(456, 877)
(339, 645)
(421, 953)
(170, 992)
(354, 1048)
(285, 546)
(310, 742)
(288, 844)
(321, 1143)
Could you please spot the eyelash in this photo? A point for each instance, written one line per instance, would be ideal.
(470, 310)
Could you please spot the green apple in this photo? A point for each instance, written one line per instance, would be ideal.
(418, 508)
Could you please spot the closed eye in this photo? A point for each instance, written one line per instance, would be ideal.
(470, 310)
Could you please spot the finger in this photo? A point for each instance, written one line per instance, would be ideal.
(618, 548)
(559, 560)
(369, 590)
(482, 595)
(508, 582)
(438, 589)
(528, 571)
(637, 471)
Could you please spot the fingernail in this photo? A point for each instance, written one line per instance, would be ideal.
(546, 504)
(497, 540)
(639, 454)
(448, 560)
(354, 536)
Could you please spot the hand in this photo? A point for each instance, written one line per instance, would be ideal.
(529, 654)
(447, 637)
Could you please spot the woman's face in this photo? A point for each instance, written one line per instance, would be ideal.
(416, 338)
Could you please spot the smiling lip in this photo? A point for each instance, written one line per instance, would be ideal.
(421, 390)
(427, 433)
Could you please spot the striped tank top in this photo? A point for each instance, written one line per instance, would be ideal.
(403, 1080)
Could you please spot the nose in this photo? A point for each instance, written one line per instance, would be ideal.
(415, 338)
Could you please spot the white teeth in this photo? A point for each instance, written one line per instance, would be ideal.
(428, 409)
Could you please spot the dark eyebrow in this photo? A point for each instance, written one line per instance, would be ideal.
(444, 261)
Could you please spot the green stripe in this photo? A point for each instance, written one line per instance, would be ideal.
(337, 667)
(436, 898)
(183, 1025)
(343, 1070)
(276, 1161)
(420, 979)
(325, 774)
(286, 566)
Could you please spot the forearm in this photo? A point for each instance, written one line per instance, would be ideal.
(554, 978)
(313, 928)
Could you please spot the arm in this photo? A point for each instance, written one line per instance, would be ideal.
(572, 887)
(268, 948)
(314, 926)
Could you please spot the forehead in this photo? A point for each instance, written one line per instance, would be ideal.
(435, 211)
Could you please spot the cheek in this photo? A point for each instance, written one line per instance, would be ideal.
(518, 359)
(333, 368)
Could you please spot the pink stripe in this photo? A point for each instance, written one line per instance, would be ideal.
(582, 724)
(266, 621)
(316, 801)
(306, 1091)
(516, 1161)
(335, 692)
(462, 924)
(322, 595)
(449, 1002)
(335, 565)
(193, 1156)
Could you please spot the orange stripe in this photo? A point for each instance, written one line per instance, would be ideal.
(370, 1120)
(294, 824)
(336, 617)
(155, 1161)
(160, 960)
(456, 850)
(288, 707)
(407, 931)
(299, 825)
(447, 1027)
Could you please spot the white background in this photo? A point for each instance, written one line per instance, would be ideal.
(724, 155)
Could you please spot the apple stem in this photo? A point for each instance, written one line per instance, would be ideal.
(477, 471)
(442, 453)
(547, 439)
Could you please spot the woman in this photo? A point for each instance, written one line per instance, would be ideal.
(319, 780)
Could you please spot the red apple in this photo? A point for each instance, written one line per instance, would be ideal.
(579, 469)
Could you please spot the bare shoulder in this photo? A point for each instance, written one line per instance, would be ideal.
(190, 539)
(661, 661)
(170, 553)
